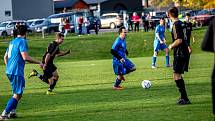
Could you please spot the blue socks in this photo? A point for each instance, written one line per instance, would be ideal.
(167, 60)
(154, 58)
(117, 83)
(11, 104)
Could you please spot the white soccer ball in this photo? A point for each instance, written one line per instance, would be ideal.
(146, 84)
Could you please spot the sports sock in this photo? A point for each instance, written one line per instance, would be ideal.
(53, 85)
(181, 87)
(43, 78)
(12, 104)
(117, 83)
(154, 58)
(167, 60)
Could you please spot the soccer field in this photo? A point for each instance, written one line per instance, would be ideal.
(84, 93)
(84, 90)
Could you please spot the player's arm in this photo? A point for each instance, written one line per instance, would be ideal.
(63, 53)
(28, 58)
(115, 54)
(158, 36)
(175, 43)
(5, 58)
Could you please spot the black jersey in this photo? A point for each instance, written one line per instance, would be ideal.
(177, 33)
(187, 31)
(52, 49)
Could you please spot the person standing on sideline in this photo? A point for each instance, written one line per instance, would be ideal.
(80, 22)
(15, 57)
(136, 20)
(208, 44)
(50, 75)
(160, 43)
(66, 27)
(130, 24)
(121, 65)
(180, 54)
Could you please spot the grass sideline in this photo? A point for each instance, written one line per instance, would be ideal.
(86, 95)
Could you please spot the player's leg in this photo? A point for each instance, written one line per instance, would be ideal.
(17, 84)
(43, 77)
(54, 80)
(178, 67)
(167, 57)
(118, 82)
(154, 58)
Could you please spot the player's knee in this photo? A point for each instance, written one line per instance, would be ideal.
(17, 96)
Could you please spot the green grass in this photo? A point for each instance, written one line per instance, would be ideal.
(84, 90)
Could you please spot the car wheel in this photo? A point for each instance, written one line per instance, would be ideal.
(112, 25)
(198, 24)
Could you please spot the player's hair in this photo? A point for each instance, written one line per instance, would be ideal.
(59, 35)
(173, 12)
(22, 30)
(120, 29)
(188, 14)
(162, 18)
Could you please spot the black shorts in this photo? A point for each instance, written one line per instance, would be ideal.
(48, 72)
(180, 64)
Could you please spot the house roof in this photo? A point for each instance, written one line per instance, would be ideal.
(94, 1)
(65, 3)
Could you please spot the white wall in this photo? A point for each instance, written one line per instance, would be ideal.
(5, 5)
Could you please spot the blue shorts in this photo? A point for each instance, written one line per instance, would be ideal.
(17, 83)
(158, 46)
(122, 68)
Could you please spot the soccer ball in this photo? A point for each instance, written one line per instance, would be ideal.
(146, 84)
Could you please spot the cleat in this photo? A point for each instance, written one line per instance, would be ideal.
(118, 88)
(153, 67)
(33, 73)
(50, 93)
(12, 114)
(4, 118)
(183, 102)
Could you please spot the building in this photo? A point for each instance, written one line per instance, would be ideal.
(70, 5)
(107, 6)
(25, 9)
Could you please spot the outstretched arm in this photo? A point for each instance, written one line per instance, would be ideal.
(5, 58)
(63, 53)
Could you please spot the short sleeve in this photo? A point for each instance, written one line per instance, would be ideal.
(208, 43)
(23, 47)
(115, 45)
(177, 31)
(52, 49)
(157, 29)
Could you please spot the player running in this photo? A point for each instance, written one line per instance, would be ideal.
(50, 75)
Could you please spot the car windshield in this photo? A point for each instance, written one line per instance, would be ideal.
(3, 24)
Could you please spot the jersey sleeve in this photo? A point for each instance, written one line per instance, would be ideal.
(115, 45)
(208, 43)
(177, 31)
(157, 29)
(23, 47)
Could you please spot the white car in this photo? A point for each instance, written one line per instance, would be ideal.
(111, 20)
(33, 23)
(7, 27)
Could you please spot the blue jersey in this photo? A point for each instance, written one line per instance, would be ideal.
(120, 47)
(161, 31)
(15, 63)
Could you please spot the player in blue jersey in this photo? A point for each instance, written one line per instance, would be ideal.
(14, 59)
(121, 65)
(160, 43)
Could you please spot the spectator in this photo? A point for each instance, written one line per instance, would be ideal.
(66, 27)
(146, 24)
(80, 22)
(130, 24)
(87, 25)
(143, 18)
(61, 26)
(136, 20)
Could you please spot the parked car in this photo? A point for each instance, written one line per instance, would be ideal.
(203, 17)
(34, 22)
(7, 27)
(111, 20)
(51, 23)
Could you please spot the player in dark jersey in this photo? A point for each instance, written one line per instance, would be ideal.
(181, 54)
(50, 75)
